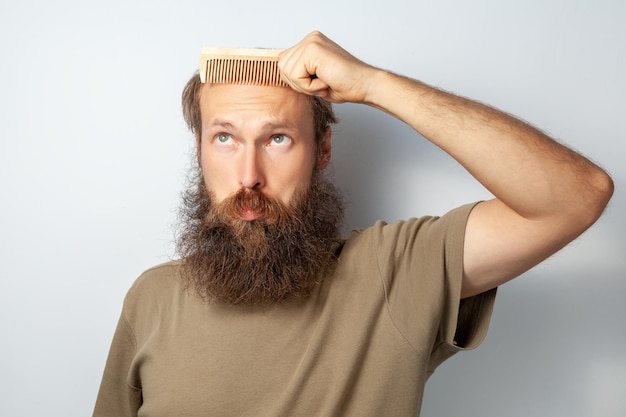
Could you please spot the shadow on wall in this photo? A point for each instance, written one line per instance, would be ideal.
(388, 171)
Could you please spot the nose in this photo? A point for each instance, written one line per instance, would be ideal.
(252, 170)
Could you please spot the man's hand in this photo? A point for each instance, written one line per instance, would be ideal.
(318, 66)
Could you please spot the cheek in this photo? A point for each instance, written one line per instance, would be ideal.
(295, 177)
(215, 175)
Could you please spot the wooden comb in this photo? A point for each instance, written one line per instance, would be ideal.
(240, 66)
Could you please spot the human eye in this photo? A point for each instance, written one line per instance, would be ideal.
(280, 140)
(223, 138)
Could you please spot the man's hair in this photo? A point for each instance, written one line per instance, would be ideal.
(323, 114)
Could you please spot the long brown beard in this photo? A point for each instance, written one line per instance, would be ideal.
(280, 256)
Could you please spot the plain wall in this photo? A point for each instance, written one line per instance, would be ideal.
(94, 154)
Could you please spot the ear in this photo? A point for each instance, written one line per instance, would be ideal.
(325, 149)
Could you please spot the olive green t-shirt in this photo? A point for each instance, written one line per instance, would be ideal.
(363, 344)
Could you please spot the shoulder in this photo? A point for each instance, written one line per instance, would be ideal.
(157, 278)
(154, 290)
(417, 255)
(405, 234)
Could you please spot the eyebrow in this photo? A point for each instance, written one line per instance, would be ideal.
(279, 125)
(220, 123)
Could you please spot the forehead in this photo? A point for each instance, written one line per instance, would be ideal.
(248, 104)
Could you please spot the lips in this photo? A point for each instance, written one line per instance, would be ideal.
(249, 214)
(251, 205)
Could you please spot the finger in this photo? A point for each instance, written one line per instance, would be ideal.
(310, 85)
(295, 72)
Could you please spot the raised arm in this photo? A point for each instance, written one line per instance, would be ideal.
(545, 193)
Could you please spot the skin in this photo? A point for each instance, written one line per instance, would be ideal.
(545, 194)
(258, 138)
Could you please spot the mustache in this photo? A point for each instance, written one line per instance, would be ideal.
(271, 209)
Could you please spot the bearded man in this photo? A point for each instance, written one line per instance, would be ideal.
(270, 313)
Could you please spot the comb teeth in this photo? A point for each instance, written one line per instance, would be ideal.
(240, 66)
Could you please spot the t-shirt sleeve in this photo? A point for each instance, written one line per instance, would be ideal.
(422, 266)
(116, 397)
(465, 321)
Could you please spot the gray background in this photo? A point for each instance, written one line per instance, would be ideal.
(93, 156)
